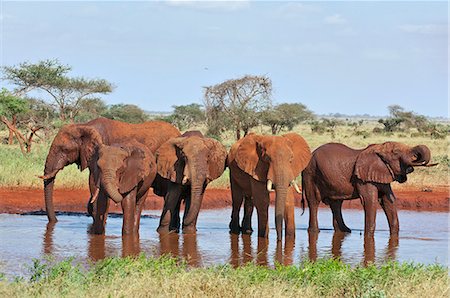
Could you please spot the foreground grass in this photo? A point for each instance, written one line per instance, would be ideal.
(17, 170)
(165, 277)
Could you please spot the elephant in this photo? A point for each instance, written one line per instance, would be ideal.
(337, 172)
(257, 164)
(125, 174)
(78, 143)
(185, 166)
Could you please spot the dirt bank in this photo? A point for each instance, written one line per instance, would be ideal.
(13, 200)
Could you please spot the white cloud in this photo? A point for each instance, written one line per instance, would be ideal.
(335, 19)
(211, 4)
(428, 29)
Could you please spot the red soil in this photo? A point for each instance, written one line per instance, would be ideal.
(13, 200)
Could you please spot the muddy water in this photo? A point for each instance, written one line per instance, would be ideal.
(424, 238)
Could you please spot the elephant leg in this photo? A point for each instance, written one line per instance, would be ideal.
(313, 198)
(261, 202)
(129, 209)
(237, 197)
(171, 201)
(138, 210)
(338, 221)
(248, 212)
(390, 209)
(369, 197)
(289, 220)
(100, 213)
(91, 207)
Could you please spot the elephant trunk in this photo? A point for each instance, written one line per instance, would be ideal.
(281, 189)
(110, 185)
(420, 155)
(52, 166)
(197, 181)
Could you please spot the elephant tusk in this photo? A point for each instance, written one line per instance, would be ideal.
(185, 180)
(269, 185)
(431, 165)
(95, 195)
(49, 176)
(294, 184)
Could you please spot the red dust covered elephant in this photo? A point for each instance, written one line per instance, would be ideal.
(79, 143)
(257, 165)
(337, 172)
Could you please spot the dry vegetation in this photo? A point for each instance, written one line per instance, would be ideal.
(17, 170)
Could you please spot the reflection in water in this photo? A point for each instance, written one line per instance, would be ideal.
(369, 250)
(96, 247)
(312, 245)
(48, 238)
(287, 257)
(190, 250)
(130, 245)
(23, 238)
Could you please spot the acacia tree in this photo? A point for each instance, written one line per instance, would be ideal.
(14, 111)
(52, 77)
(285, 115)
(240, 100)
(186, 116)
(126, 113)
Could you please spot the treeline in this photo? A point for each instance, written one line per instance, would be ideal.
(45, 96)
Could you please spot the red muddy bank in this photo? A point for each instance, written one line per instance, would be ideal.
(13, 200)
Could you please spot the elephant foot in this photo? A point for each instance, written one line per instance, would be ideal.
(345, 229)
(189, 230)
(313, 230)
(163, 230)
(234, 228)
(247, 231)
(96, 229)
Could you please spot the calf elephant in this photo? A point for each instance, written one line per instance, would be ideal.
(337, 172)
(186, 165)
(125, 174)
(257, 164)
(78, 143)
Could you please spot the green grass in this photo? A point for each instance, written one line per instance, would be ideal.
(168, 277)
(17, 170)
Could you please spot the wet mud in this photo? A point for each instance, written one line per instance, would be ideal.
(18, 201)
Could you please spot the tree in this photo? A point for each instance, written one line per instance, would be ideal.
(239, 100)
(185, 116)
(400, 120)
(52, 77)
(10, 108)
(126, 113)
(285, 115)
(90, 108)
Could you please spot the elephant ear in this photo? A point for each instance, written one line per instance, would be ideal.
(167, 159)
(216, 159)
(371, 167)
(302, 153)
(138, 165)
(90, 141)
(247, 157)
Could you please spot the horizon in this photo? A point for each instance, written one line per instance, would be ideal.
(349, 58)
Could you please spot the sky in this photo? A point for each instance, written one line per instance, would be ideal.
(334, 57)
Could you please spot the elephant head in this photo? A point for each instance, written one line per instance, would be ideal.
(73, 144)
(191, 160)
(390, 161)
(124, 167)
(276, 161)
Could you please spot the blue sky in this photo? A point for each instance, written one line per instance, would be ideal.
(335, 57)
